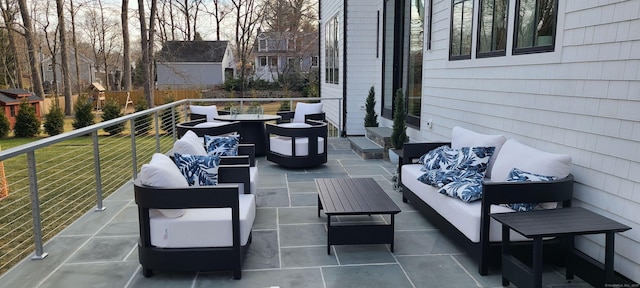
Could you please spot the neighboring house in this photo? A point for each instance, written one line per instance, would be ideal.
(572, 87)
(279, 53)
(10, 100)
(194, 64)
(87, 72)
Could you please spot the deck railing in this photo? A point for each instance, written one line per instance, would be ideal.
(53, 181)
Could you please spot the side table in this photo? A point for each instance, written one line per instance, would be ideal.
(563, 222)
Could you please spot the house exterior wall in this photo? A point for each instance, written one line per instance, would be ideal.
(332, 109)
(87, 72)
(228, 62)
(582, 99)
(189, 74)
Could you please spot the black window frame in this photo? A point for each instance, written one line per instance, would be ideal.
(461, 56)
(332, 51)
(534, 49)
(494, 51)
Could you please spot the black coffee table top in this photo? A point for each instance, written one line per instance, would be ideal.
(558, 222)
(354, 196)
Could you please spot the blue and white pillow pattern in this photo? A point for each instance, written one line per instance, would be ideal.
(459, 173)
(517, 175)
(222, 145)
(199, 170)
(437, 158)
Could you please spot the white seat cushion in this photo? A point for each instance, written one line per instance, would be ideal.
(463, 215)
(207, 227)
(304, 109)
(210, 111)
(282, 145)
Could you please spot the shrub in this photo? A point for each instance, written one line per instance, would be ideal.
(143, 123)
(399, 134)
(54, 121)
(5, 126)
(83, 113)
(111, 110)
(27, 123)
(371, 118)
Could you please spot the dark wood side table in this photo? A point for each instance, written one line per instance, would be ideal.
(355, 196)
(563, 222)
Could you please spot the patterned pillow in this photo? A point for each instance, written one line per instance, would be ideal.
(465, 190)
(517, 175)
(437, 158)
(199, 170)
(222, 145)
(473, 158)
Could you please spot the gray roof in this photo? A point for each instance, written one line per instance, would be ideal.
(8, 96)
(192, 51)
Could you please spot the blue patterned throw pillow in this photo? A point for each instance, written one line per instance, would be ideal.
(437, 158)
(517, 175)
(465, 190)
(473, 158)
(199, 170)
(222, 145)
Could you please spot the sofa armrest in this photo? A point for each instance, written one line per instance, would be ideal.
(248, 150)
(238, 173)
(412, 151)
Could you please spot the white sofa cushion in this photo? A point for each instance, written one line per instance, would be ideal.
(516, 155)
(283, 146)
(210, 111)
(461, 137)
(162, 172)
(304, 109)
(208, 227)
(464, 216)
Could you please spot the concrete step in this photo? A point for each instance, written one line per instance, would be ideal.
(366, 148)
(380, 135)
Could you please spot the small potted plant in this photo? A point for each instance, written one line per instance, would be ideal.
(371, 118)
(399, 133)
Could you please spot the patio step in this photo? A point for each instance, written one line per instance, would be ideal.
(366, 148)
(382, 137)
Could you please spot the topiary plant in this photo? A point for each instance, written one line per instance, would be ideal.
(371, 118)
(54, 121)
(83, 113)
(5, 126)
(399, 134)
(27, 123)
(111, 110)
(143, 123)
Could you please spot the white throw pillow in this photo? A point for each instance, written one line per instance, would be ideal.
(162, 172)
(461, 137)
(304, 109)
(210, 111)
(188, 146)
(517, 155)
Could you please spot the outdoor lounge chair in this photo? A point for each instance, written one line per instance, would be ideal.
(297, 145)
(303, 112)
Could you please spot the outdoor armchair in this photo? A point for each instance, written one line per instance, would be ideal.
(304, 111)
(297, 145)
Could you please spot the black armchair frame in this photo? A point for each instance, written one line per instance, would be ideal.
(317, 130)
(226, 128)
(191, 259)
(287, 116)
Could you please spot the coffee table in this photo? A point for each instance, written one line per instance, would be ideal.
(252, 129)
(355, 196)
(562, 222)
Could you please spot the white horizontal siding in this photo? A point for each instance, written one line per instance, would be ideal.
(582, 100)
(329, 9)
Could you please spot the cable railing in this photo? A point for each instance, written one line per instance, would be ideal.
(53, 181)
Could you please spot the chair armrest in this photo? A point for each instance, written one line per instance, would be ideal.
(237, 173)
(182, 128)
(319, 130)
(317, 116)
(286, 116)
(560, 190)
(412, 151)
(195, 116)
(248, 149)
(234, 160)
(187, 197)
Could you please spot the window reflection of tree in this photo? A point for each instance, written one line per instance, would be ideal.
(536, 20)
(493, 26)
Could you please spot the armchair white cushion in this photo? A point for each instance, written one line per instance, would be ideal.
(210, 111)
(162, 172)
(304, 109)
(189, 144)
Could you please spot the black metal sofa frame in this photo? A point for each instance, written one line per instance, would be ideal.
(192, 259)
(485, 252)
(314, 133)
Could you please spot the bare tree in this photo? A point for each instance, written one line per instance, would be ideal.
(73, 11)
(9, 11)
(126, 81)
(146, 41)
(219, 12)
(248, 15)
(65, 59)
(31, 46)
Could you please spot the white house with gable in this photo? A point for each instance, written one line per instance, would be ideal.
(559, 75)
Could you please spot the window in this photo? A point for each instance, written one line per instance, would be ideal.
(492, 28)
(461, 29)
(414, 63)
(314, 61)
(291, 44)
(535, 26)
(273, 61)
(262, 45)
(263, 61)
(331, 51)
(12, 110)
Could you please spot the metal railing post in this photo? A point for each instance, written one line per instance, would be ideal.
(35, 207)
(96, 169)
(134, 161)
(157, 122)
